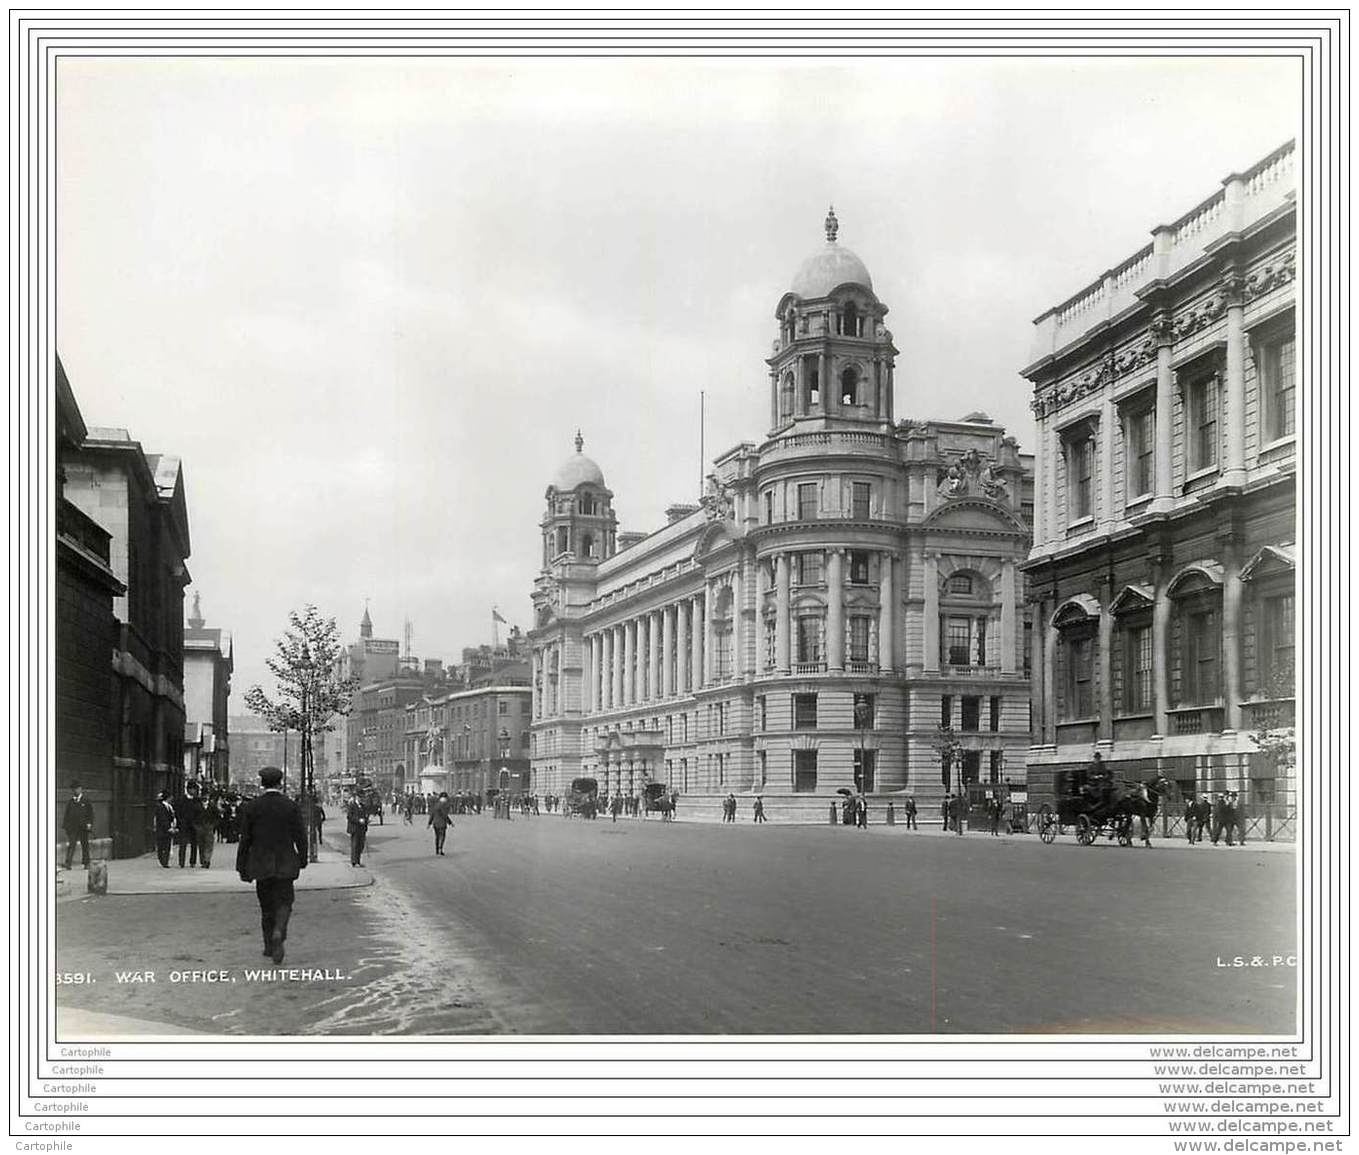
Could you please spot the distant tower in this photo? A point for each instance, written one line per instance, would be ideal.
(196, 618)
(406, 638)
(366, 625)
(579, 520)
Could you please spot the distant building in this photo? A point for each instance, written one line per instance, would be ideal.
(208, 664)
(138, 500)
(86, 635)
(368, 659)
(377, 729)
(505, 664)
(470, 741)
(254, 746)
(1165, 547)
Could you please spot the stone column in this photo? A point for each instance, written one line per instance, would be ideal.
(1235, 472)
(618, 667)
(932, 612)
(668, 651)
(835, 610)
(1106, 463)
(1008, 606)
(630, 663)
(1038, 691)
(1050, 668)
(738, 621)
(709, 650)
(587, 680)
(1040, 525)
(536, 679)
(653, 653)
(1104, 731)
(1231, 633)
(887, 624)
(783, 622)
(1160, 648)
(682, 662)
(761, 623)
(1054, 464)
(821, 380)
(1163, 332)
(697, 636)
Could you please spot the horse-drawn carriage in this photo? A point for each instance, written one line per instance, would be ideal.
(1097, 806)
(583, 801)
(656, 797)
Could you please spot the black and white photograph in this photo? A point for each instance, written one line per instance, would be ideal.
(676, 547)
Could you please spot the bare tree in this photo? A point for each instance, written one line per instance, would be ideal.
(309, 693)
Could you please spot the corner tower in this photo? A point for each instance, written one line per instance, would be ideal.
(579, 521)
(834, 359)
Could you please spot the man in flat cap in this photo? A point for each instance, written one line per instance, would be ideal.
(271, 854)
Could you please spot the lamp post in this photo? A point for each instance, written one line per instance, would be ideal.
(503, 740)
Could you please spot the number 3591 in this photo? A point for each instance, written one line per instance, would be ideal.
(73, 978)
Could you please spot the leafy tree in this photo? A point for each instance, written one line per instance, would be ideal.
(950, 751)
(309, 693)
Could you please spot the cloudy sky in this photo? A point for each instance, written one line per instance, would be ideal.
(369, 303)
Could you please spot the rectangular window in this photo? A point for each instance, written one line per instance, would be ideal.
(806, 502)
(996, 756)
(946, 711)
(1080, 478)
(804, 771)
(1280, 376)
(865, 767)
(1026, 511)
(1080, 699)
(1202, 642)
(769, 507)
(808, 641)
(959, 639)
(1141, 447)
(995, 713)
(971, 720)
(1276, 646)
(862, 495)
(858, 567)
(859, 627)
(1137, 695)
(762, 702)
(804, 711)
(502, 706)
(1202, 433)
(811, 568)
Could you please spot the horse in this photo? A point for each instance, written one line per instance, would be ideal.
(1140, 800)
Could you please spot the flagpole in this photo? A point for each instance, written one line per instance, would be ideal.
(495, 633)
(700, 443)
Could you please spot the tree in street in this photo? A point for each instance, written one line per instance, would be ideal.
(309, 693)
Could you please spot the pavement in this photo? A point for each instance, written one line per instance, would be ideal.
(145, 875)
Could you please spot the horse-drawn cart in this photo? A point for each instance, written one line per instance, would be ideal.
(1092, 803)
(583, 801)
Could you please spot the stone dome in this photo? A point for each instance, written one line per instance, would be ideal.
(830, 266)
(578, 469)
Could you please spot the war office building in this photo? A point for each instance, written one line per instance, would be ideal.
(1162, 573)
(843, 588)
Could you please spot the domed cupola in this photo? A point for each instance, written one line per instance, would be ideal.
(579, 524)
(829, 267)
(834, 357)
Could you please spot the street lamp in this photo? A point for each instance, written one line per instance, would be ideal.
(503, 739)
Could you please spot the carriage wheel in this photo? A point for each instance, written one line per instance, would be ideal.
(1047, 824)
(1085, 832)
(1124, 831)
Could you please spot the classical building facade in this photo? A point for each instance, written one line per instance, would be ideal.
(1162, 573)
(138, 500)
(844, 588)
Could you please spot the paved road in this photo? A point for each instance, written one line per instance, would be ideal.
(652, 928)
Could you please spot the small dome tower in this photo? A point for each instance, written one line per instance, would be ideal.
(579, 523)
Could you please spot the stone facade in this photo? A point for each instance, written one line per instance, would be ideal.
(208, 664)
(255, 746)
(138, 500)
(798, 631)
(470, 741)
(1162, 574)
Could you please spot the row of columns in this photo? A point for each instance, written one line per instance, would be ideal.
(546, 680)
(1049, 526)
(835, 612)
(1045, 642)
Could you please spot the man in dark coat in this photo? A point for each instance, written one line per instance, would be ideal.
(164, 815)
(271, 854)
(188, 812)
(77, 822)
(356, 826)
(440, 820)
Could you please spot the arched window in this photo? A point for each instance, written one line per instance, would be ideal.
(563, 539)
(849, 324)
(587, 545)
(587, 503)
(849, 386)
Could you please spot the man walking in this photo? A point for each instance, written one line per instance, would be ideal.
(439, 819)
(272, 853)
(164, 817)
(995, 817)
(759, 808)
(909, 807)
(77, 823)
(207, 830)
(1237, 819)
(356, 824)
